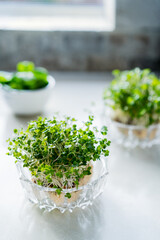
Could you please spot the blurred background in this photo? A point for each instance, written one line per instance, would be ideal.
(80, 35)
(87, 38)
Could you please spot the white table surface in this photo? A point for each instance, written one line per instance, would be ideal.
(129, 208)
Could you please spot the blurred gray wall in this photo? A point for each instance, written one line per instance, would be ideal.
(135, 42)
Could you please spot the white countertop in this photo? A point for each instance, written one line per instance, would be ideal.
(129, 208)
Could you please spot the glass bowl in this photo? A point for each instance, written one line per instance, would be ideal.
(47, 198)
(132, 136)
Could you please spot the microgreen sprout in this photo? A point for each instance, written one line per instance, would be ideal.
(27, 77)
(58, 153)
(136, 93)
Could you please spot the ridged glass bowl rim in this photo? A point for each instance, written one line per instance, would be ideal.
(23, 177)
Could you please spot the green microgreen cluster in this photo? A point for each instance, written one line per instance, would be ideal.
(27, 77)
(58, 153)
(136, 93)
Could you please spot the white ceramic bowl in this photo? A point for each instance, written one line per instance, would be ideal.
(28, 102)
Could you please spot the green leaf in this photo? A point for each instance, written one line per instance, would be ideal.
(5, 77)
(116, 72)
(15, 131)
(58, 191)
(104, 130)
(40, 73)
(130, 100)
(68, 195)
(25, 66)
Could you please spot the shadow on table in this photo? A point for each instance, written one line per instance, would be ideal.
(80, 224)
